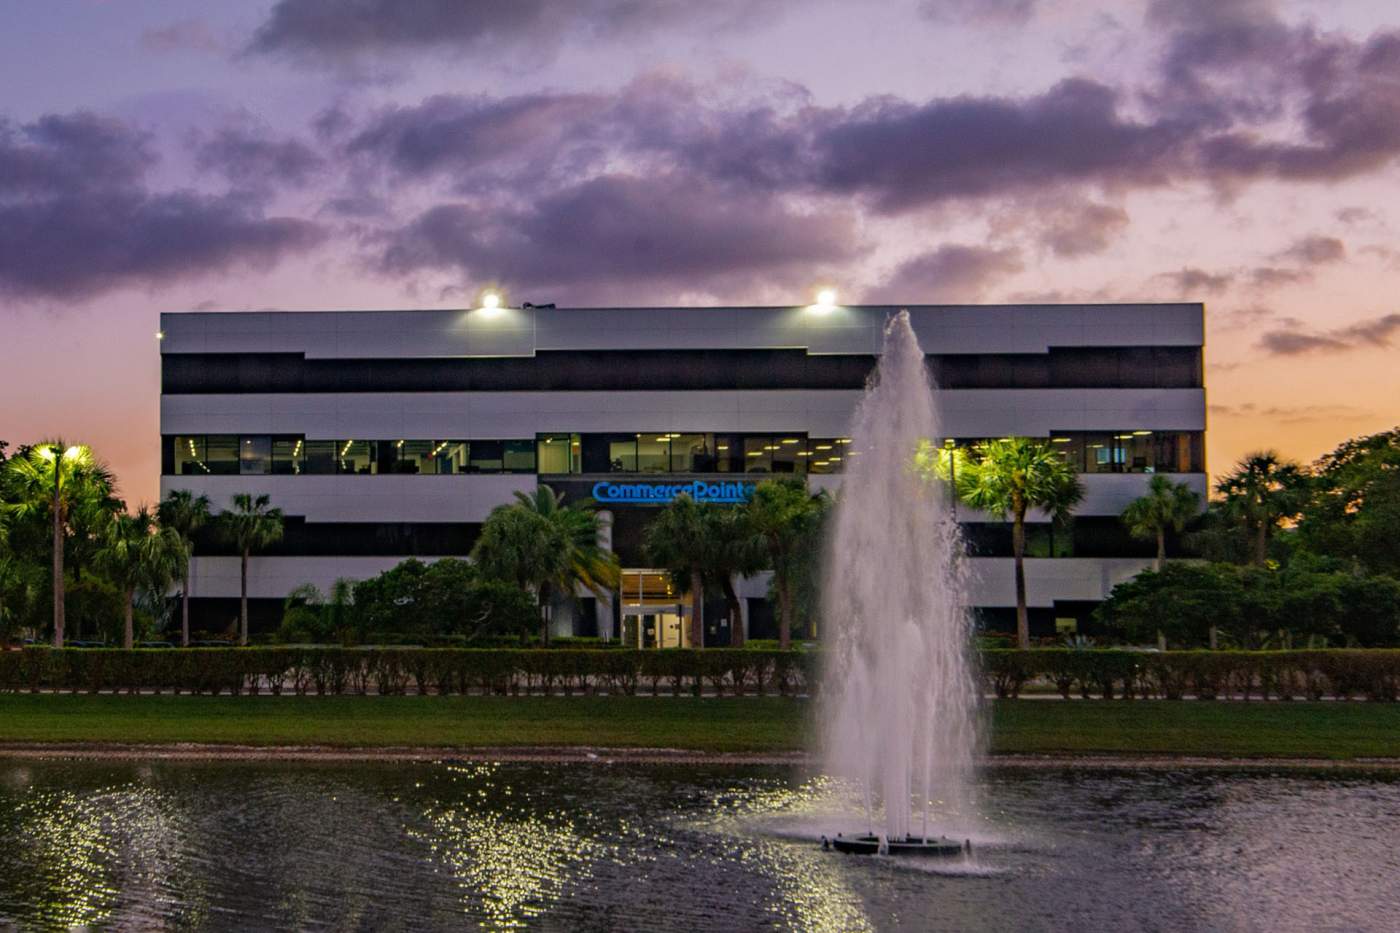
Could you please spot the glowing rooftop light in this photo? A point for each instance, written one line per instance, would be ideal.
(490, 301)
(826, 298)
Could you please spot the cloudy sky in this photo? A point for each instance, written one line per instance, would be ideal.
(305, 154)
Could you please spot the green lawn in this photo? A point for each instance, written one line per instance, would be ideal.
(1304, 730)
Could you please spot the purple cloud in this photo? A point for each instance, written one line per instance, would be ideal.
(1372, 332)
(252, 160)
(329, 30)
(76, 217)
(952, 272)
(613, 233)
(1193, 281)
(1315, 250)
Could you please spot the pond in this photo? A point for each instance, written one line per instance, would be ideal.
(444, 845)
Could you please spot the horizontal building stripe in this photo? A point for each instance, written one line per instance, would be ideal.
(991, 581)
(470, 498)
(817, 413)
(679, 370)
(520, 332)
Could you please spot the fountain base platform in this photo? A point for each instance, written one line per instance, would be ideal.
(910, 845)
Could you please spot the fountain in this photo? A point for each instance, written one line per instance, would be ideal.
(899, 692)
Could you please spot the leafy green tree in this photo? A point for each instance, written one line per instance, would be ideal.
(1371, 614)
(1167, 506)
(137, 554)
(310, 616)
(1182, 603)
(1354, 510)
(545, 547)
(1261, 493)
(780, 515)
(184, 513)
(732, 550)
(56, 479)
(1008, 478)
(251, 524)
(678, 540)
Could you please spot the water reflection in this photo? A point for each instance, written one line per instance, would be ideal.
(417, 846)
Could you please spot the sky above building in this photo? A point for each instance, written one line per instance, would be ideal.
(313, 154)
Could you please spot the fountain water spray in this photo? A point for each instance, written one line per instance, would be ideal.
(899, 689)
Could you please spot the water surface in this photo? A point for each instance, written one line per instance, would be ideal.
(421, 846)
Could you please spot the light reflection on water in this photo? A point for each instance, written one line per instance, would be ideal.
(408, 846)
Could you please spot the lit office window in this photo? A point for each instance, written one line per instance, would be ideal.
(321, 457)
(449, 457)
(404, 457)
(692, 453)
(559, 453)
(355, 457)
(485, 456)
(519, 456)
(190, 455)
(786, 448)
(255, 455)
(221, 454)
(654, 453)
(758, 454)
(823, 455)
(288, 455)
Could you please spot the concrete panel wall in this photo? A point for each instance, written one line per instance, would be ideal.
(467, 415)
(515, 332)
(991, 583)
(468, 498)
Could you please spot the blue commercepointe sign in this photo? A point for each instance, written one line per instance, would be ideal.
(659, 493)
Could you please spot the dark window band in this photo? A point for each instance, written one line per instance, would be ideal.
(677, 370)
(301, 538)
(1085, 536)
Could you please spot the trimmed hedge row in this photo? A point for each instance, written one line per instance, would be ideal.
(1372, 673)
(330, 670)
(1342, 673)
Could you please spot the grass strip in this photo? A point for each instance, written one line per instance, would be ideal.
(1328, 730)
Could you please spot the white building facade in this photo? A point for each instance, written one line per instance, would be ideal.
(388, 435)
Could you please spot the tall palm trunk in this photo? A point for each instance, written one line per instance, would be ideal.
(129, 628)
(1161, 549)
(785, 610)
(1018, 553)
(544, 614)
(185, 611)
(697, 609)
(58, 606)
(243, 602)
(1261, 545)
(736, 613)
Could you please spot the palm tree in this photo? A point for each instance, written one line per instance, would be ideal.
(55, 478)
(1167, 506)
(138, 554)
(184, 513)
(678, 540)
(1261, 493)
(1009, 477)
(732, 550)
(544, 546)
(251, 525)
(779, 514)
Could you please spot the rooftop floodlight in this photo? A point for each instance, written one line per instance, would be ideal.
(826, 298)
(491, 300)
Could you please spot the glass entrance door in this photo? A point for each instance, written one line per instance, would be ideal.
(653, 613)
